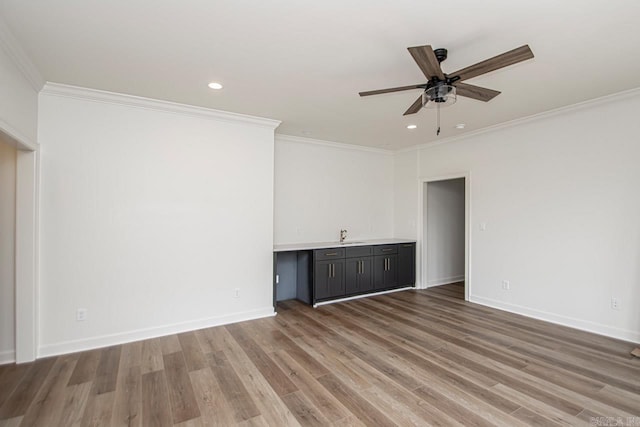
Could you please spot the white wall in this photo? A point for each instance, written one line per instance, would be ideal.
(406, 202)
(406, 194)
(559, 195)
(7, 250)
(19, 84)
(321, 188)
(444, 236)
(152, 215)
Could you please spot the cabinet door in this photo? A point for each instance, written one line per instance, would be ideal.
(358, 277)
(406, 264)
(328, 279)
(385, 270)
(365, 278)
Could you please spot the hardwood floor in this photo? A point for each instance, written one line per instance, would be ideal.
(407, 358)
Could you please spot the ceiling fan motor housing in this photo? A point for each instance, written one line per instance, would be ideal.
(441, 54)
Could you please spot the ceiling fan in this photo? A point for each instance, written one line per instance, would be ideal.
(441, 88)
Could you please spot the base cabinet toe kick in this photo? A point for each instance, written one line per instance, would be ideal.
(327, 274)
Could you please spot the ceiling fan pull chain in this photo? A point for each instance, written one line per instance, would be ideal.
(438, 109)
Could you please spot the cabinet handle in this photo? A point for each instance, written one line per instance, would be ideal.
(385, 264)
(407, 246)
(333, 270)
(360, 267)
(387, 250)
(331, 254)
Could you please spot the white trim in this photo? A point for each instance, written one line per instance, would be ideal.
(67, 91)
(333, 301)
(143, 334)
(20, 59)
(467, 228)
(301, 140)
(584, 325)
(7, 357)
(532, 118)
(444, 281)
(26, 250)
(18, 139)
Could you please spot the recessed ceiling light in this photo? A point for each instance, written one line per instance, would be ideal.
(214, 85)
(412, 127)
(460, 126)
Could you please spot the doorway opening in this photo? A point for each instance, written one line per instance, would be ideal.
(8, 158)
(445, 217)
(23, 187)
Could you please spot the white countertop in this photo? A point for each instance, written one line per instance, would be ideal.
(321, 245)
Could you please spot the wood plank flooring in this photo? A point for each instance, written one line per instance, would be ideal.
(407, 358)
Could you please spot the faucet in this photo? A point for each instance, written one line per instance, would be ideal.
(343, 235)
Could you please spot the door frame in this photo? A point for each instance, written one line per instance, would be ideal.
(26, 244)
(422, 227)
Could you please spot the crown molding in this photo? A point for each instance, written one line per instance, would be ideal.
(20, 59)
(16, 138)
(302, 140)
(95, 95)
(607, 99)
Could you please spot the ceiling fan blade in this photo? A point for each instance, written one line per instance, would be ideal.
(393, 89)
(415, 107)
(427, 61)
(475, 92)
(514, 56)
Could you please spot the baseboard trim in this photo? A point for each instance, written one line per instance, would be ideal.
(143, 334)
(8, 356)
(584, 325)
(333, 301)
(445, 281)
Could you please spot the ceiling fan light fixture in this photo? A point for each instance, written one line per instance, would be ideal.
(441, 95)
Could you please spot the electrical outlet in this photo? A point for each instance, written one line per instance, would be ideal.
(237, 293)
(81, 315)
(506, 285)
(615, 303)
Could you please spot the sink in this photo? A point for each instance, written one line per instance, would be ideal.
(350, 243)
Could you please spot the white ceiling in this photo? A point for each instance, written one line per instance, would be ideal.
(304, 62)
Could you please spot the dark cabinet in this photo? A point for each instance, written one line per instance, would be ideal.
(385, 267)
(359, 275)
(328, 279)
(406, 264)
(356, 270)
(385, 271)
